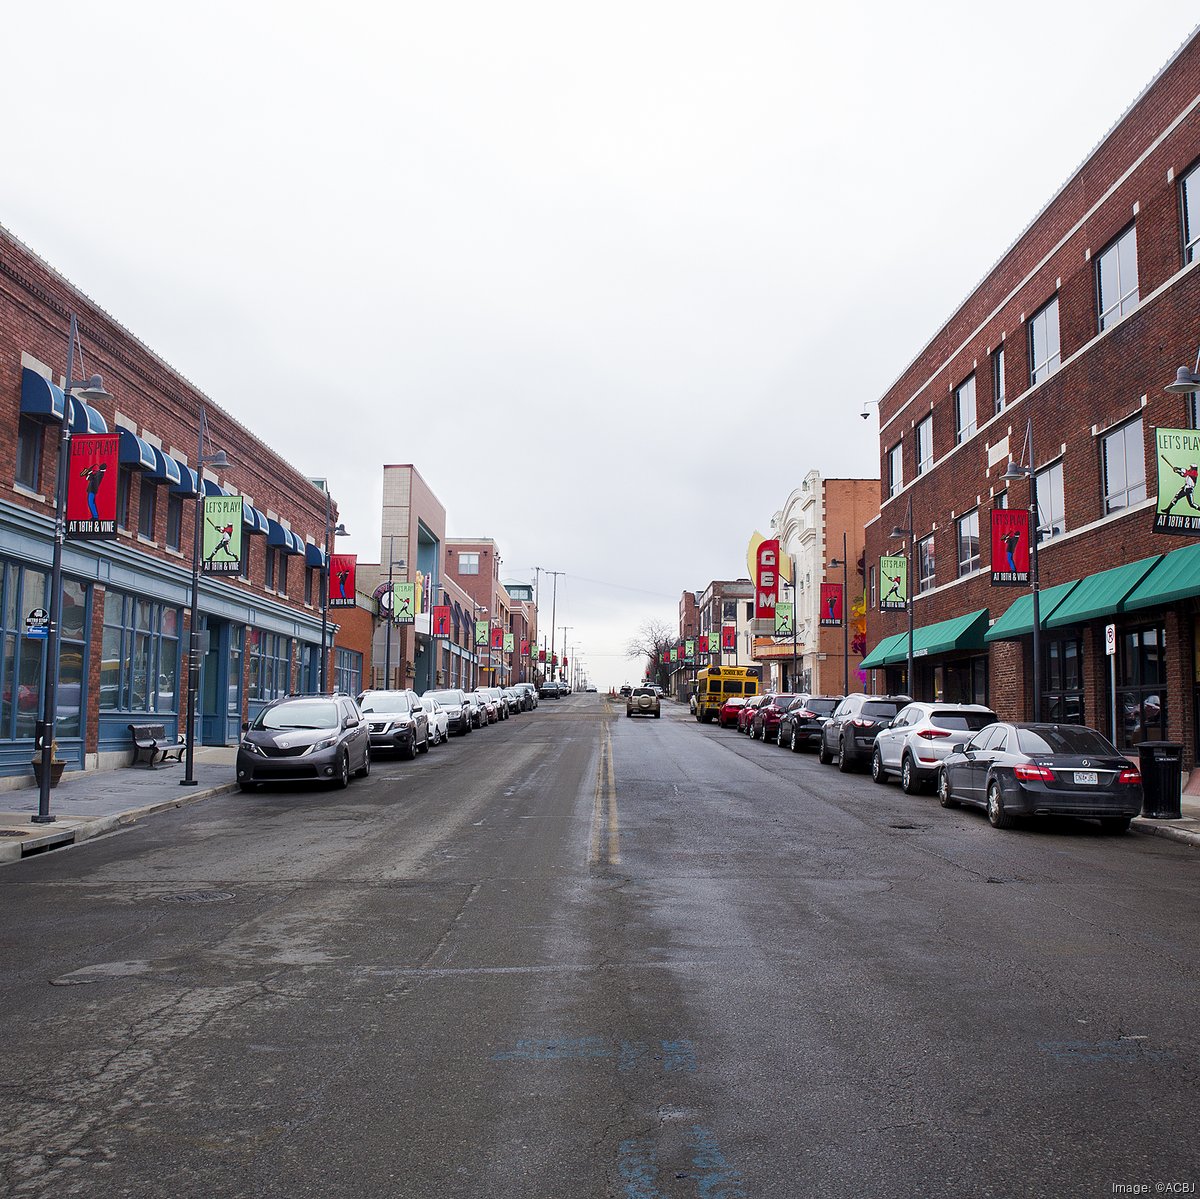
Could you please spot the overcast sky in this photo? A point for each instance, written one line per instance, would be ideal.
(613, 276)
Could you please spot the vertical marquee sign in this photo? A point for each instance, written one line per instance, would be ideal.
(831, 605)
(92, 485)
(221, 540)
(893, 578)
(766, 590)
(1177, 510)
(1010, 547)
(342, 581)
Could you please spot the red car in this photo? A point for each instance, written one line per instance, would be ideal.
(727, 717)
(747, 713)
(765, 722)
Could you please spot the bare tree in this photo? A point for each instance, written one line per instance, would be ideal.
(650, 642)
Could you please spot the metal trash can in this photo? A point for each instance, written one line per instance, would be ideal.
(1162, 779)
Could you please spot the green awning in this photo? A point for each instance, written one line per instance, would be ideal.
(1017, 621)
(1101, 594)
(885, 653)
(1176, 577)
(961, 632)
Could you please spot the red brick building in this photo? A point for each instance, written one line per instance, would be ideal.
(1073, 333)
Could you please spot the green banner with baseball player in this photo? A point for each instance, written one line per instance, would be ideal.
(481, 634)
(1178, 508)
(221, 539)
(893, 584)
(785, 624)
(510, 643)
(404, 603)
(714, 643)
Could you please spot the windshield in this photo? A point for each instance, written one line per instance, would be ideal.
(821, 707)
(445, 697)
(970, 722)
(300, 714)
(383, 702)
(1063, 739)
(883, 707)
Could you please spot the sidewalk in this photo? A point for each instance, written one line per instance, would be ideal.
(1187, 829)
(86, 804)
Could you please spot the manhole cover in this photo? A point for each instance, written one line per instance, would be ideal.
(198, 897)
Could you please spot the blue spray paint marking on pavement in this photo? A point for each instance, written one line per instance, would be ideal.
(637, 1161)
(1083, 1052)
(674, 1056)
(717, 1178)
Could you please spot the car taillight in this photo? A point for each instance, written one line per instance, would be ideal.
(1032, 773)
(1130, 775)
(805, 714)
(862, 724)
(930, 733)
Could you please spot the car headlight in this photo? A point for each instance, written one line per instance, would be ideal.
(328, 743)
(251, 748)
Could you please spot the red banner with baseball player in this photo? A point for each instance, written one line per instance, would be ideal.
(541, 655)
(766, 589)
(92, 485)
(1010, 547)
(524, 648)
(342, 581)
(441, 620)
(497, 637)
(831, 605)
(728, 639)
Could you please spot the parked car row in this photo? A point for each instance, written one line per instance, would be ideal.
(964, 751)
(331, 738)
(554, 689)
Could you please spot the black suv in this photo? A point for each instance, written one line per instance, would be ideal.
(304, 738)
(800, 725)
(849, 734)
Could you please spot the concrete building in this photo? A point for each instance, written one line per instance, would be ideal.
(1070, 337)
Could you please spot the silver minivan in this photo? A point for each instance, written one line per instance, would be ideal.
(914, 744)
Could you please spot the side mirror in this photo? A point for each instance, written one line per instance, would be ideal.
(245, 726)
(958, 747)
(350, 722)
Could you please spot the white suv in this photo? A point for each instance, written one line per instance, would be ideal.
(915, 742)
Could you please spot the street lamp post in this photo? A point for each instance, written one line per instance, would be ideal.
(93, 388)
(842, 562)
(907, 531)
(1016, 470)
(340, 531)
(217, 459)
(553, 615)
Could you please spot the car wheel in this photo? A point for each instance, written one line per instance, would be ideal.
(1115, 824)
(878, 772)
(943, 790)
(365, 771)
(997, 816)
(910, 784)
(844, 763)
(795, 741)
(823, 755)
(343, 779)
(424, 746)
(410, 747)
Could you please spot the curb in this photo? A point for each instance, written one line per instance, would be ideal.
(99, 825)
(1155, 828)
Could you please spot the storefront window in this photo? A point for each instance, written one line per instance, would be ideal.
(1141, 685)
(347, 671)
(1062, 681)
(270, 665)
(139, 667)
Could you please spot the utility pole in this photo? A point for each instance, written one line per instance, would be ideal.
(564, 628)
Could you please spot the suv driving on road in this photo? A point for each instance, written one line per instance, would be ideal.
(643, 701)
(849, 734)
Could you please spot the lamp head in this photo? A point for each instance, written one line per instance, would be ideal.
(218, 459)
(93, 389)
(897, 531)
(1014, 470)
(1185, 381)
(341, 531)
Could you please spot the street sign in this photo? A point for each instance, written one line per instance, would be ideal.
(1110, 639)
(37, 623)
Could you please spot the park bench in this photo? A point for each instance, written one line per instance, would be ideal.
(151, 745)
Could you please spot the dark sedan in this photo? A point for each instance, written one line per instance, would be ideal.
(764, 724)
(1013, 770)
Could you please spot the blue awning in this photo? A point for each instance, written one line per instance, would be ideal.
(40, 398)
(211, 488)
(166, 468)
(278, 535)
(187, 480)
(313, 555)
(253, 519)
(135, 452)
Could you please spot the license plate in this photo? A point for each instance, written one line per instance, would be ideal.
(1086, 778)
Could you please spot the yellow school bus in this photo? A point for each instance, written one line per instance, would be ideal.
(715, 684)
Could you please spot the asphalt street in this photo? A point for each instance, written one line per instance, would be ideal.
(578, 955)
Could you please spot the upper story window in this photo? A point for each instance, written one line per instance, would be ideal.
(1045, 354)
(1116, 278)
(896, 468)
(998, 396)
(269, 560)
(964, 410)
(872, 572)
(1189, 203)
(29, 452)
(244, 561)
(175, 522)
(468, 564)
(926, 564)
(1051, 502)
(1124, 466)
(968, 543)
(925, 444)
(147, 508)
